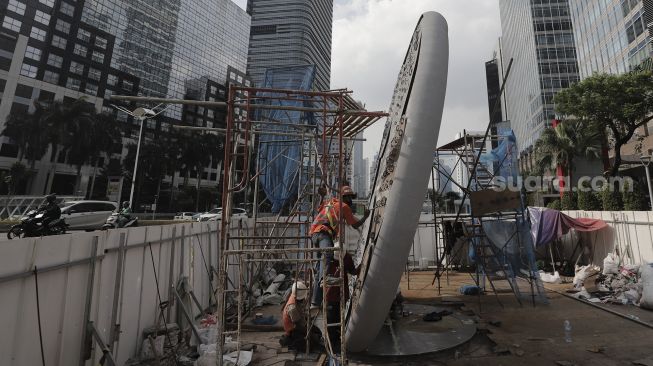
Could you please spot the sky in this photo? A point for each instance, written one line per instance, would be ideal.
(370, 38)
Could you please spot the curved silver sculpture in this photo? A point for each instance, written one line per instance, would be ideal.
(401, 182)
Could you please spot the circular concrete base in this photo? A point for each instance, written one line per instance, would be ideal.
(411, 335)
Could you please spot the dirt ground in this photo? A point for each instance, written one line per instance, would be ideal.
(508, 334)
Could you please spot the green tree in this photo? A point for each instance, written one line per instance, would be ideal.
(27, 131)
(450, 201)
(106, 137)
(619, 103)
(559, 146)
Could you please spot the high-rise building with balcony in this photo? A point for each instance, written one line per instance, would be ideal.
(290, 33)
(538, 36)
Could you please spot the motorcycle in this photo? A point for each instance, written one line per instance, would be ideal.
(31, 225)
(116, 221)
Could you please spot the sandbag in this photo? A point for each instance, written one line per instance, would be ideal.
(611, 264)
(646, 272)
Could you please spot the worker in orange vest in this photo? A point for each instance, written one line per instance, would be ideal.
(294, 324)
(325, 229)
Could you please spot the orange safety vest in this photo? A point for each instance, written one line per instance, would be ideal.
(327, 218)
(288, 325)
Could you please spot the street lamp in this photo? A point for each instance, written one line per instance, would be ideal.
(646, 160)
(140, 114)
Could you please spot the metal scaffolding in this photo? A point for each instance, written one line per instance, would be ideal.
(323, 130)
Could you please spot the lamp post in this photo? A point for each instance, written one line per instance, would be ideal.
(646, 160)
(141, 114)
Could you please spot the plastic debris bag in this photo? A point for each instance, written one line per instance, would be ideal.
(550, 278)
(646, 301)
(611, 264)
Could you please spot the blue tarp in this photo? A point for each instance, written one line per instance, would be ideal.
(280, 156)
(503, 158)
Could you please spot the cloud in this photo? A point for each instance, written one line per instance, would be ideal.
(370, 38)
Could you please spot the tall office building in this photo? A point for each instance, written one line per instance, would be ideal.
(67, 49)
(538, 36)
(611, 36)
(290, 33)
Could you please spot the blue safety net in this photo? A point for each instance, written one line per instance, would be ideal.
(503, 158)
(279, 157)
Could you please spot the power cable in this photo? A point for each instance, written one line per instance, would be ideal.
(38, 314)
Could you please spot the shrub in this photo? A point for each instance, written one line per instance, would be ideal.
(554, 205)
(589, 201)
(568, 201)
(635, 200)
(611, 200)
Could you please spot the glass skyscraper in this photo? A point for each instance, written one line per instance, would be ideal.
(291, 33)
(538, 36)
(67, 49)
(611, 36)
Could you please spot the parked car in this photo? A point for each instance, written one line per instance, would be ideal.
(236, 213)
(184, 216)
(87, 214)
(213, 214)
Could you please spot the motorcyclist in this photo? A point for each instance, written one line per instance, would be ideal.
(125, 214)
(49, 209)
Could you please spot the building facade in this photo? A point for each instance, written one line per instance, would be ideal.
(290, 33)
(614, 37)
(66, 49)
(537, 35)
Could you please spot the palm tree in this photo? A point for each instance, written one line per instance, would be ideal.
(106, 137)
(559, 146)
(27, 131)
(79, 138)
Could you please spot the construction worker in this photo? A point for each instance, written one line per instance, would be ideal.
(325, 229)
(294, 324)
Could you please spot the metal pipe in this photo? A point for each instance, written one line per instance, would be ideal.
(86, 333)
(256, 132)
(138, 150)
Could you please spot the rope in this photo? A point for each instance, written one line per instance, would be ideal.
(38, 314)
(162, 304)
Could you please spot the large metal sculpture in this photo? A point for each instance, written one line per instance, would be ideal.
(401, 181)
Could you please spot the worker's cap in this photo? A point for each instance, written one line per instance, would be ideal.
(347, 191)
(300, 290)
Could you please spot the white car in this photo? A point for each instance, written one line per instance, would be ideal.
(87, 214)
(184, 216)
(236, 213)
(213, 214)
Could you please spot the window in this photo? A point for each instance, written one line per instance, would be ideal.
(127, 85)
(67, 8)
(42, 17)
(49, 3)
(100, 42)
(51, 77)
(91, 89)
(24, 91)
(80, 50)
(94, 74)
(37, 33)
(28, 70)
(62, 26)
(83, 35)
(98, 57)
(16, 6)
(12, 24)
(59, 42)
(55, 60)
(76, 68)
(33, 53)
(73, 83)
(112, 80)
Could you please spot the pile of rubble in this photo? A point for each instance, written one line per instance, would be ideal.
(616, 283)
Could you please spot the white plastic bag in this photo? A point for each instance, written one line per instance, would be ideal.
(646, 301)
(583, 272)
(550, 278)
(611, 264)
